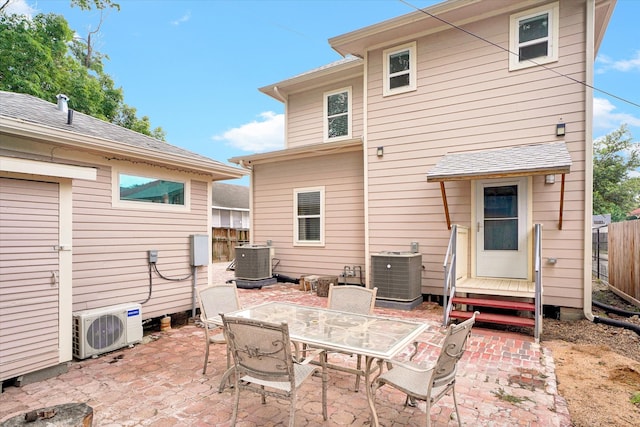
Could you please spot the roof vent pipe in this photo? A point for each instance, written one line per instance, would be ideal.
(70, 117)
(62, 102)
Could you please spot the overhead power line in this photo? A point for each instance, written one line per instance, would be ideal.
(514, 53)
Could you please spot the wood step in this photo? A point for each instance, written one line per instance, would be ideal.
(501, 319)
(486, 302)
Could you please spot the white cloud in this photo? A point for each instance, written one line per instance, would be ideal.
(184, 18)
(605, 63)
(606, 118)
(257, 136)
(19, 7)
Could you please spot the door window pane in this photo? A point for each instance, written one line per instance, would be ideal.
(501, 218)
(501, 235)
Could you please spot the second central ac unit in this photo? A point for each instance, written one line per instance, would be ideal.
(102, 330)
(253, 262)
(397, 275)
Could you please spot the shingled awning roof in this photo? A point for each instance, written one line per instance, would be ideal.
(543, 159)
(526, 160)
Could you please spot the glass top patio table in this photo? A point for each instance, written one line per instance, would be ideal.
(369, 335)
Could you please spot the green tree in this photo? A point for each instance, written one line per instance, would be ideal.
(614, 190)
(41, 57)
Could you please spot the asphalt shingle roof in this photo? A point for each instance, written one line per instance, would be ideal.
(522, 159)
(31, 109)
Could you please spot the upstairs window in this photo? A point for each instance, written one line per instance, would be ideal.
(337, 114)
(534, 37)
(399, 68)
(309, 216)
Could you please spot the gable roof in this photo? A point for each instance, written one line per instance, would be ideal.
(230, 196)
(459, 12)
(29, 116)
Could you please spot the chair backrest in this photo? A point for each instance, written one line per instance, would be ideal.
(260, 349)
(452, 350)
(352, 299)
(216, 299)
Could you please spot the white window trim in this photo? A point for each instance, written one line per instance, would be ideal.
(157, 207)
(296, 237)
(326, 96)
(413, 71)
(553, 9)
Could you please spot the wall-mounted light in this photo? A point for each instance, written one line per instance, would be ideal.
(380, 151)
(560, 129)
(552, 261)
(549, 179)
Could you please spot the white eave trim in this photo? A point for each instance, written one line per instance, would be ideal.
(11, 126)
(311, 150)
(35, 167)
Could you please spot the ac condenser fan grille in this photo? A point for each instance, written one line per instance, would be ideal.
(104, 331)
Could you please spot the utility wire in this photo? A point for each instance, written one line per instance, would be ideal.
(513, 53)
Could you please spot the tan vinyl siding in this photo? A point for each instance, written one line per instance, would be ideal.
(341, 176)
(28, 260)
(111, 243)
(468, 100)
(305, 113)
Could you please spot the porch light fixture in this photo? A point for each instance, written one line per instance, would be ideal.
(549, 179)
(560, 129)
(380, 151)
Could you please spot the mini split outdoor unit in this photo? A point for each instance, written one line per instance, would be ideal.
(102, 330)
(253, 262)
(397, 275)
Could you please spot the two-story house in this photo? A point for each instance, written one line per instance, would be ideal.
(472, 116)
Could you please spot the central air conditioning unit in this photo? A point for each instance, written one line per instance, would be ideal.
(397, 275)
(102, 330)
(253, 262)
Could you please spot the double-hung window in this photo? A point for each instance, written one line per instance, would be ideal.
(308, 216)
(399, 69)
(534, 37)
(337, 114)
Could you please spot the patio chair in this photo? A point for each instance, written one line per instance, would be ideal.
(352, 299)
(430, 383)
(264, 363)
(216, 299)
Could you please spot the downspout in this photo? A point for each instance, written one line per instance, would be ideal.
(250, 169)
(588, 157)
(365, 155)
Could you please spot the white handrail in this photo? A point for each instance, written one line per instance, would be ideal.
(449, 266)
(537, 250)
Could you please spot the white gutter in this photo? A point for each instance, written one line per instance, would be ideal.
(588, 157)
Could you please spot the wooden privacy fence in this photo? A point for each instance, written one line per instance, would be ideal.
(624, 257)
(225, 241)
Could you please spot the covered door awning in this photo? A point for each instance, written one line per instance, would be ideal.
(527, 160)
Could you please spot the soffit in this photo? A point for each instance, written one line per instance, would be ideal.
(311, 150)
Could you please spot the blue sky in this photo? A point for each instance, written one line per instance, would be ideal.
(194, 67)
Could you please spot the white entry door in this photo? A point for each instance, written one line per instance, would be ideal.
(501, 243)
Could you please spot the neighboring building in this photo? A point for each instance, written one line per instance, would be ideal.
(599, 221)
(82, 202)
(422, 126)
(229, 219)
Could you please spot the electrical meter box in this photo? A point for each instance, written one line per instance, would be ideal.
(199, 250)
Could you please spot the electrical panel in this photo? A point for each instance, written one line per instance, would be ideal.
(199, 249)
